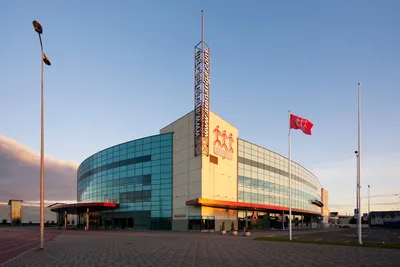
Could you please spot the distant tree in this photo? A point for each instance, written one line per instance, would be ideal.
(16, 221)
(222, 227)
(4, 221)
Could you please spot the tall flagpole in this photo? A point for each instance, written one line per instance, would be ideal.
(359, 166)
(290, 182)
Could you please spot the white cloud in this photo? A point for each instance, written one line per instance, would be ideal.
(20, 175)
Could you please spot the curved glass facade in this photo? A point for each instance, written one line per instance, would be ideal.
(263, 179)
(138, 176)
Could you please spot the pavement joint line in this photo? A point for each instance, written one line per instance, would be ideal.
(29, 250)
(18, 256)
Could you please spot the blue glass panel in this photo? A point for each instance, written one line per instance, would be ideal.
(166, 192)
(166, 213)
(156, 204)
(155, 138)
(138, 142)
(155, 156)
(166, 175)
(146, 164)
(166, 186)
(166, 149)
(166, 203)
(155, 150)
(155, 213)
(139, 165)
(137, 207)
(122, 168)
(166, 168)
(155, 176)
(166, 155)
(155, 169)
(146, 170)
(166, 136)
(146, 146)
(165, 143)
(146, 187)
(166, 161)
(166, 181)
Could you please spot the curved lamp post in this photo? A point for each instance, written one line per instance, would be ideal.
(45, 60)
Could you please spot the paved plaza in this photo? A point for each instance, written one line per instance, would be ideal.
(98, 248)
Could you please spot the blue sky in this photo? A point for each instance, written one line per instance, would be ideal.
(124, 69)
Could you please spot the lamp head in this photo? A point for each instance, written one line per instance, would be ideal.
(46, 60)
(38, 28)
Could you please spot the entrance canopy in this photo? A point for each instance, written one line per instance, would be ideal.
(232, 205)
(76, 208)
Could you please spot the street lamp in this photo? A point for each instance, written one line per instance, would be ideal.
(45, 60)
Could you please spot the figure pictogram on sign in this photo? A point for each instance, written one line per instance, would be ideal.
(223, 143)
(230, 139)
(217, 135)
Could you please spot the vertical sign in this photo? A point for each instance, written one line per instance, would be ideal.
(201, 96)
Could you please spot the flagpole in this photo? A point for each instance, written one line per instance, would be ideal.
(359, 166)
(290, 182)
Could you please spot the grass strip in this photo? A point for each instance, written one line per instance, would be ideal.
(323, 242)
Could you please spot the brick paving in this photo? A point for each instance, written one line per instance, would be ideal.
(16, 241)
(79, 248)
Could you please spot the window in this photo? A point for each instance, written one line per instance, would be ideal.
(201, 223)
(213, 159)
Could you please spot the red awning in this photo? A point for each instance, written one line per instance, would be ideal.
(76, 208)
(243, 206)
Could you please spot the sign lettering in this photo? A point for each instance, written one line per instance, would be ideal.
(197, 99)
(201, 98)
(206, 92)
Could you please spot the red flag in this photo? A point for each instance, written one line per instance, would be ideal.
(297, 122)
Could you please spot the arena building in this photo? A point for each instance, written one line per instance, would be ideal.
(196, 174)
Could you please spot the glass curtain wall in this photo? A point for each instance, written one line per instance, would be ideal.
(263, 179)
(138, 176)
